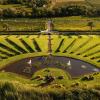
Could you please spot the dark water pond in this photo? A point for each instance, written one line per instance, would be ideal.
(29, 66)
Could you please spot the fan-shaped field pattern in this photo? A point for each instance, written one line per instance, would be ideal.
(83, 47)
(16, 45)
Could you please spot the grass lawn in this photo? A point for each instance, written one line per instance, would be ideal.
(18, 6)
(61, 78)
(68, 23)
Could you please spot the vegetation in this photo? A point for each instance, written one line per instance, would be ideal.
(23, 92)
(83, 47)
(47, 8)
(49, 83)
(74, 23)
(58, 89)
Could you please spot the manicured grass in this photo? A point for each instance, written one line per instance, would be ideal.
(68, 23)
(84, 47)
(75, 23)
(7, 76)
(55, 73)
(22, 24)
(61, 78)
(16, 6)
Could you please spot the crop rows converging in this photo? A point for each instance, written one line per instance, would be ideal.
(86, 48)
(17, 45)
(83, 47)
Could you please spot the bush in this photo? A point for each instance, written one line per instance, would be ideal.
(49, 79)
(60, 77)
(36, 77)
(75, 84)
(87, 78)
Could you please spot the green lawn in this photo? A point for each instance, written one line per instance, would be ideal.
(68, 23)
(18, 6)
(61, 78)
(72, 89)
(7, 76)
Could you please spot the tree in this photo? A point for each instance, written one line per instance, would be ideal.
(40, 3)
(90, 25)
(5, 27)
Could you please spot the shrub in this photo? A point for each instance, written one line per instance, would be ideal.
(47, 70)
(75, 84)
(49, 79)
(36, 77)
(60, 77)
(87, 78)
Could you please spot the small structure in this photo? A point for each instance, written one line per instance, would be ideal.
(49, 26)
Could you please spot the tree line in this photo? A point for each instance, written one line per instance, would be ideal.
(41, 8)
(38, 3)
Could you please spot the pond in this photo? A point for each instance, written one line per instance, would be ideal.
(29, 66)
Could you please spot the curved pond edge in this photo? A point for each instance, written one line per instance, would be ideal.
(71, 72)
(13, 59)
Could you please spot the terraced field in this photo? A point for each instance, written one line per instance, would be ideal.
(15, 47)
